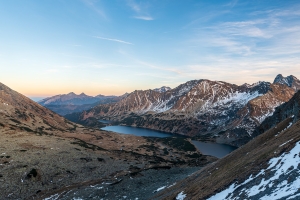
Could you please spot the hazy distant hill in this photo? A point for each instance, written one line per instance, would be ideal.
(69, 103)
(212, 110)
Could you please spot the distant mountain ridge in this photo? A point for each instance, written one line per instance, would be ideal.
(162, 89)
(64, 104)
(213, 110)
(72, 99)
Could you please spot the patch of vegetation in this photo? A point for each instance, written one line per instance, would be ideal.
(87, 159)
(180, 144)
(166, 152)
(149, 147)
(100, 159)
(32, 173)
(26, 129)
(194, 155)
(14, 120)
(40, 131)
(21, 115)
(87, 145)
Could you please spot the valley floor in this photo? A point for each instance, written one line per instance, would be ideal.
(34, 166)
(143, 185)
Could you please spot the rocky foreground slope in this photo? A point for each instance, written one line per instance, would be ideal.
(265, 168)
(204, 109)
(42, 153)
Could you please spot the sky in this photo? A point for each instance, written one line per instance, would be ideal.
(111, 47)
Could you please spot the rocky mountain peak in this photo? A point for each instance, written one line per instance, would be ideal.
(162, 89)
(82, 94)
(290, 81)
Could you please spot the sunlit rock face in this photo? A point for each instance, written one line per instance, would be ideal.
(223, 111)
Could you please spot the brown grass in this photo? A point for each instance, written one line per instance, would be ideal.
(237, 166)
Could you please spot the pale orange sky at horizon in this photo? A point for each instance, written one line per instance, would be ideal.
(30, 89)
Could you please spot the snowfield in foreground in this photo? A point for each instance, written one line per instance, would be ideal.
(280, 180)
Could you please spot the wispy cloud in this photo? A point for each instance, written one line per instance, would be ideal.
(232, 3)
(147, 18)
(264, 33)
(92, 4)
(114, 40)
(140, 10)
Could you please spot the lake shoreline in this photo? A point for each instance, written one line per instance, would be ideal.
(204, 147)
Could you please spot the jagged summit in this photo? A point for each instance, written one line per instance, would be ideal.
(162, 89)
(72, 99)
(290, 81)
(215, 109)
(82, 94)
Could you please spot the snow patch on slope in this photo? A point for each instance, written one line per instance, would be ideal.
(181, 196)
(273, 187)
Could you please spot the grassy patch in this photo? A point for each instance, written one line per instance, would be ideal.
(180, 144)
(194, 155)
(149, 147)
(87, 145)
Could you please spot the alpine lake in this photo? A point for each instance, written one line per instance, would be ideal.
(206, 148)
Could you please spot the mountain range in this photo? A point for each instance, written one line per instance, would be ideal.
(203, 109)
(43, 154)
(64, 104)
(47, 156)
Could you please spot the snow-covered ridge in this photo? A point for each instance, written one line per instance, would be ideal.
(280, 180)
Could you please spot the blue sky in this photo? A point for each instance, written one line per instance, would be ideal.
(117, 46)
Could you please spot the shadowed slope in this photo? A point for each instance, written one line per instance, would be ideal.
(249, 162)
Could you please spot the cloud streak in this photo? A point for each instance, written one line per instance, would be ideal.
(114, 40)
(147, 18)
(140, 10)
(92, 5)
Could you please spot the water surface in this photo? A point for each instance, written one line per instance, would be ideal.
(212, 149)
(137, 131)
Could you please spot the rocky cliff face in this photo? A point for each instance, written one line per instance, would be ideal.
(201, 108)
(290, 81)
(289, 110)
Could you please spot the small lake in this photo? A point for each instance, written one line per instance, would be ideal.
(212, 149)
(137, 131)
